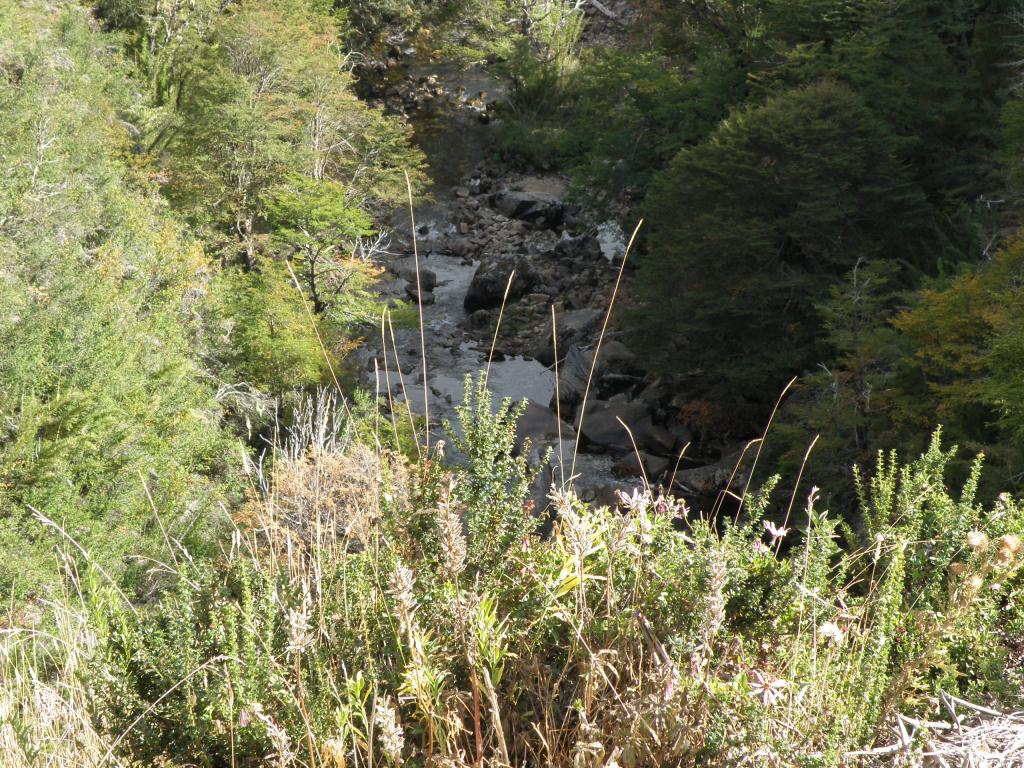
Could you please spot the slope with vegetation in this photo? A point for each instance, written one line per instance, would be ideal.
(214, 557)
(808, 173)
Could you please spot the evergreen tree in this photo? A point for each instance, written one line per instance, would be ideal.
(751, 228)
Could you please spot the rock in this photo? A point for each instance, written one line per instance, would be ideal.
(578, 326)
(573, 371)
(616, 357)
(585, 249)
(487, 288)
(709, 480)
(659, 438)
(681, 433)
(537, 208)
(602, 427)
(480, 319)
(428, 279)
(426, 298)
(540, 425)
(648, 465)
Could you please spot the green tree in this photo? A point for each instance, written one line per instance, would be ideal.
(107, 418)
(750, 229)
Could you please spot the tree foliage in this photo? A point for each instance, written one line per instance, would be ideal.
(752, 227)
(106, 416)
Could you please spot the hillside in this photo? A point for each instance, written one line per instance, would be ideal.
(591, 384)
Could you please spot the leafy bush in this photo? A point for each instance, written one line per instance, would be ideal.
(368, 613)
(105, 410)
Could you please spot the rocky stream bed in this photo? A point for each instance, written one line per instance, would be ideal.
(484, 221)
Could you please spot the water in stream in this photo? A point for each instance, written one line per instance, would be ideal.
(455, 141)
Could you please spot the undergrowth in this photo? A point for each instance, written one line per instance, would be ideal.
(369, 611)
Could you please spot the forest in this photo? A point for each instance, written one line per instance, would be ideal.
(511, 383)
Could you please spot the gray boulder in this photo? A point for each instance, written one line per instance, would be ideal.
(584, 249)
(710, 479)
(426, 297)
(602, 427)
(540, 425)
(578, 326)
(487, 288)
(573, 370)
(616, 357)
(539, 209)
(428, 279)
(647, 465)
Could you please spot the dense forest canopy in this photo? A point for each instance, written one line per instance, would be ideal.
(233, 532)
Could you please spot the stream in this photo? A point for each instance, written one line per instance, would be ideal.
(482, 221)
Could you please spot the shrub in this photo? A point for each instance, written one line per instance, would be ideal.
(377, 613)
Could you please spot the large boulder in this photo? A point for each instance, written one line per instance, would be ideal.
(616, 357)
(602, 427)
(584, 249)
(710, 479)
(540, 425)
(428, 279)
(487, 288)
(425, 298)
(573, 370)
(539, 209)
(645, 464)
(578, 326)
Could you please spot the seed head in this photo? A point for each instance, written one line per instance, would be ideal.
(977, 540)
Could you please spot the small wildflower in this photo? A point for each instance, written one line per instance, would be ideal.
(760, 548)
(777, 533)
(635, 501)
(332, 753)
(453, 541)
(402, 585)
(832, 631)
(389, 731)
(300, 631)
(766, 688)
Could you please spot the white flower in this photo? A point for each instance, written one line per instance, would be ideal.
(768, 689)
(832, 631)
(635, 501)
(777, 533)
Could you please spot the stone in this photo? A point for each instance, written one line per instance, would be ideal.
(540, 425)
(426, 298)
(428, 279)
(482, 318)
(578, 326)
(647, 465)
(710, 479)
(616, 357)
(487, 288)
(542, 210)
(584, 249)
(573, 371)
(602, 427)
